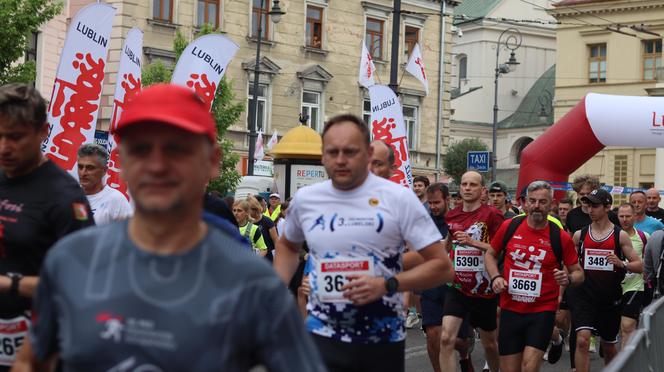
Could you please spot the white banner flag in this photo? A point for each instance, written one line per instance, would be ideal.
(128, 84)
(74, 103)
(387, 125)
(203, 63)
(367, 68)
(259, 153)
(273, 141)
(416, 67)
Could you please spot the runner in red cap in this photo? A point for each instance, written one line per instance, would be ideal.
(148, 293)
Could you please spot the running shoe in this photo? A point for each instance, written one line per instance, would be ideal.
(412, 320)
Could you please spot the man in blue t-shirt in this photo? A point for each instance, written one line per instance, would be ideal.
(159, 292)
(642, 221)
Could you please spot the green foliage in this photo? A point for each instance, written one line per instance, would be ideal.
(18, 20)
(224, 109)
(455, 163)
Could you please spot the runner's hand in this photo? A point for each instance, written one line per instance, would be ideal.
(561, 278)
(613, 259)
(499, 285)
(363, 289)
(463, 238)
(304, 289)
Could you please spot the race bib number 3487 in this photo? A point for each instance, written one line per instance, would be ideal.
(596, 259)
(333, 275)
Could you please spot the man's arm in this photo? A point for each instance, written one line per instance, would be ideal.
(286, 259)
(498, 282)
(464, 239)
(574, 275)
(434, 271)
(635, 264)
(651, 251)
(26, 361)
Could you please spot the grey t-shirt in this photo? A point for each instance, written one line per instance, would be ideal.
(106, 305)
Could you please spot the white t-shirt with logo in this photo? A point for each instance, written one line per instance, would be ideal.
(109, 205)
(360, 231)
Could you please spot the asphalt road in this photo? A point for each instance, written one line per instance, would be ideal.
(417, 359)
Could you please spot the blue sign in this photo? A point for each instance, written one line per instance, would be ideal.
(478, 161)
(101, 138)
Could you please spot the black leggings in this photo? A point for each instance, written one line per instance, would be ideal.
(346, 357)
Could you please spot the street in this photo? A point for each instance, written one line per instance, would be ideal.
(417, 359)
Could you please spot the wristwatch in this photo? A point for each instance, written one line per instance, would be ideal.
(392, 285)
(16, 279)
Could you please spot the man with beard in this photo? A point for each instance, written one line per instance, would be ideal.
(535, 253)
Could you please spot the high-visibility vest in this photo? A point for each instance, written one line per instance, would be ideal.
(548, 217)
(275, 213)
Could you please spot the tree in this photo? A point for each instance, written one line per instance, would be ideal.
(456, 160)
(19, 19)
(225, 109)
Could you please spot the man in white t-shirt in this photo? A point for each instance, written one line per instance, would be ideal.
(107, 203)
(355, 225)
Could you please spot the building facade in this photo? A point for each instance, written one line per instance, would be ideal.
(309, 60)
(611, 47)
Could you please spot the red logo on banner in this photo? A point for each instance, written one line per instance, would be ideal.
(382, 130)
(369, 65)
(78, 110)
(131, 87)
(419, 62)
(203, 87)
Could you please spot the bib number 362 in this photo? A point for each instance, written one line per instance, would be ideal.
(12, 335)
(333, 274)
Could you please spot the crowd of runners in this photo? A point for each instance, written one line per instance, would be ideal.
(329, 280)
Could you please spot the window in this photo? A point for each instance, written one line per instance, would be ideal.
(410, 118)
(314, 27)
(374, 38)
(31, 50)
(463, 69)
(519, 147)
(261, 112)
(411, 37)
(652, 58)
(208, 12)
(255, 14)
(620, 176)
(597, 64)
(366, 113)
(311, 107)
(162, 10)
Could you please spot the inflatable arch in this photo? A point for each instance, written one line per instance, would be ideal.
(597, 121)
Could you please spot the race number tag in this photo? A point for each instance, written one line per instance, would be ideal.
(332, 274)
(525, 283)
(12, 334)
(468, 259)
(596, 259)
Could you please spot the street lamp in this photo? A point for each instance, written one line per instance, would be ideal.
(545, 101)
(275, 16)
(512, 42)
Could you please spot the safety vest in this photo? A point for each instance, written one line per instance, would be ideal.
(249, 231)
(275, 213)
(548, 217)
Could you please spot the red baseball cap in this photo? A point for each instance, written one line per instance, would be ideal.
(169, 104)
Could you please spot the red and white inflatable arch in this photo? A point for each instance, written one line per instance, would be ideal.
(597, 121)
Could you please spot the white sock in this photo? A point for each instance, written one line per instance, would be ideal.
(560, 339)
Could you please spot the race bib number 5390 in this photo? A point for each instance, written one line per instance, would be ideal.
(468, 259)
(333, 274)
(12, 335)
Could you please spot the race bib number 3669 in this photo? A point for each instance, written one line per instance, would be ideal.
(12, 335)
(596, 259)
(525, 283)
(333, 274)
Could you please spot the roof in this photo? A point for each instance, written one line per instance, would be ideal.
(527, 114)
(577, 2)
(300, 142)
(475, 8)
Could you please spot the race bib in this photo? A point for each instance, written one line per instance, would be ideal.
(525, 283)
(12, 334)
(333, 273)
(596, 259)
(468, 259)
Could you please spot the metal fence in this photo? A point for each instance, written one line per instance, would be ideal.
(645, 349)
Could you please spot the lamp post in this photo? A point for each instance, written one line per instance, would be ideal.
(545, 101)
(275, 16)
(512, 42)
